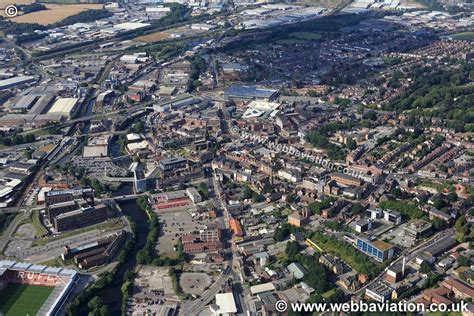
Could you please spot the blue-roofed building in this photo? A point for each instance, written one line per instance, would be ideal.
(250, 92)
(377, 249)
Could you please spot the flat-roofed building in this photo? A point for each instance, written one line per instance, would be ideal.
(225, 304)
(296, 219)
(95, 151)
(345, 179)
(363, 225)
(441, 246)
(58, 196)
(174, 163)
(15, 82)
(379, 292)
(250, 92)
(175, 102)
(194, 195)
(377, 249)
(104, 97)
(262, 288)
(24, 103)
(392, 216)
(63, 106)
(395, 273)
(81, 217)
(417, 229)
(236, 228)
(22, 167)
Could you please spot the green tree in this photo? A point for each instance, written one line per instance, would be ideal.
(464, 261)
(281, 232)
(292, 249)
(351, 144)
(452, 197)
(425, 267)
(95, 303)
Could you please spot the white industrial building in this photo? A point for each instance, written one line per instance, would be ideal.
(63, 106)
(225, 304)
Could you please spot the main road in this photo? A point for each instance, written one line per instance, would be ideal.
(412, 253)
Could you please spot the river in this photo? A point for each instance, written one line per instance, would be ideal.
(112, 295)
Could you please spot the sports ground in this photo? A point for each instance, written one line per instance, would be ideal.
(21, 299)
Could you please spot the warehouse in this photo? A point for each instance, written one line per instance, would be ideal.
(42, 104)
(130, 26)
(14, 82)
(24, 103)
(95, 151)
(63, 106)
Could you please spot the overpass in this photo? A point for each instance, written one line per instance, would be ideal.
(120, 198)
(118, 179)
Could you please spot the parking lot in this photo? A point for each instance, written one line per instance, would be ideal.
(194, 283)
(177, 224)
(397, 237)
(154, 283)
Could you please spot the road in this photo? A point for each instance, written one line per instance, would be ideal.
(198, 305)
(8, 233)
(232, 271)
(34, 144)
(237, 269)
(412, 253)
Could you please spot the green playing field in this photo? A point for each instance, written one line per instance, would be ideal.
(21, 300)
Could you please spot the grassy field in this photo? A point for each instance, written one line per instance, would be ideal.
(20, 299)
(465, 36)
(328, 294)
(55, 13)
(185, 31)
(154, 37)
(56, 262)
(36, 222)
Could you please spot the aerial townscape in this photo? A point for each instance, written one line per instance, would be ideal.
(236, 157)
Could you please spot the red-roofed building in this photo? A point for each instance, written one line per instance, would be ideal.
(236, 227)
(207, 240)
